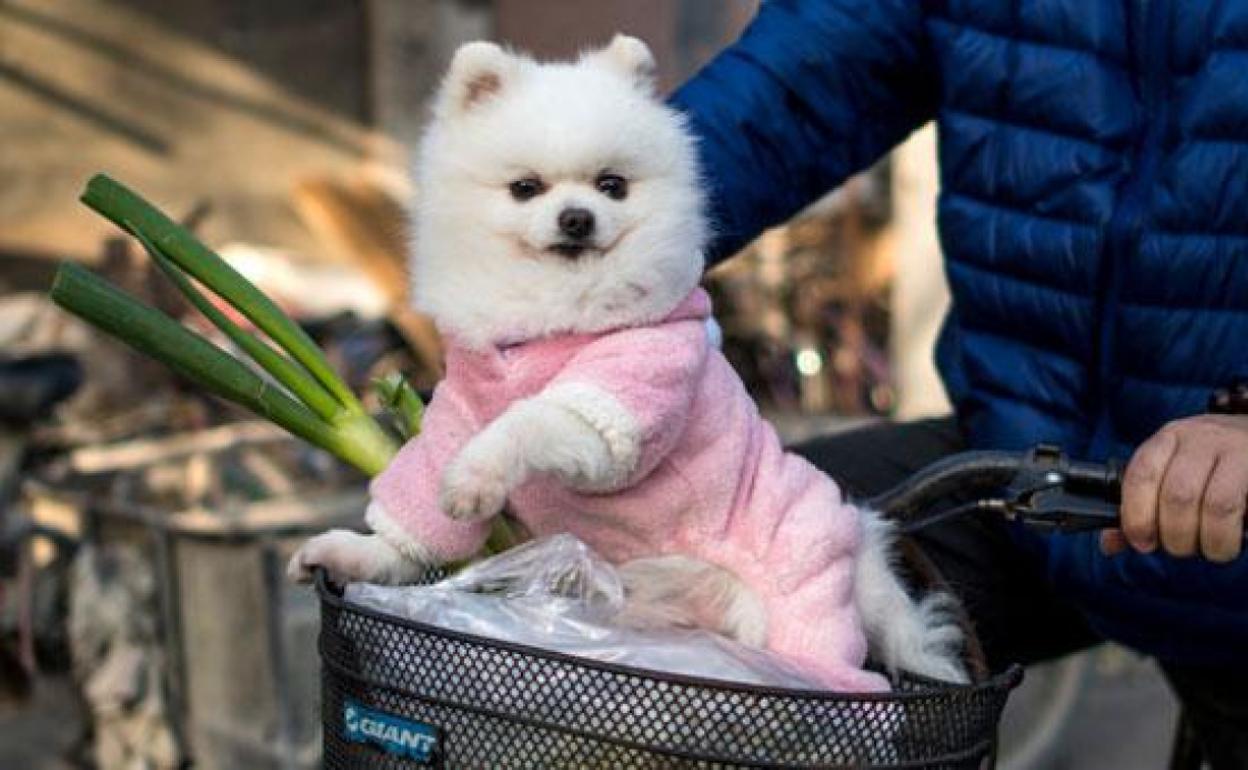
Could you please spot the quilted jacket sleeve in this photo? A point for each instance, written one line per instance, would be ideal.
(814, 91)
(405, 509)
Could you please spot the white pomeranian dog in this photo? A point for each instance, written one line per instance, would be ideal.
(559, 237)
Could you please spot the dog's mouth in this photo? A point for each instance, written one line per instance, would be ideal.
(572, 249)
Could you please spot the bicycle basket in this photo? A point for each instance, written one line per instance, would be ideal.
(400, 694)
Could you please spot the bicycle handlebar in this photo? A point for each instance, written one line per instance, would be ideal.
(1041, 486)
(983, 471)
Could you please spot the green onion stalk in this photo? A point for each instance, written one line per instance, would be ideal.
(302, 393)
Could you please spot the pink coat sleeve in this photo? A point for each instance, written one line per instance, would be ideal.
(405, 508)
(637, 387)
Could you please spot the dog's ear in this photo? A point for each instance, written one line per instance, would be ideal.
(479, 72)
(630, 57)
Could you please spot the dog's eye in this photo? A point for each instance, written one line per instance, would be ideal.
(524, 189)
(613, 186)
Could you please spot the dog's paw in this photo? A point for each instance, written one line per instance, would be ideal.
(475, 486)
(350, 557)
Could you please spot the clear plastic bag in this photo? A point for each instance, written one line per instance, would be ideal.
(557, 594)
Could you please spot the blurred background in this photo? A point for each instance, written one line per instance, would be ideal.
(144, 619)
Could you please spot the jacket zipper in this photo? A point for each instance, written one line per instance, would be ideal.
(1126, 223)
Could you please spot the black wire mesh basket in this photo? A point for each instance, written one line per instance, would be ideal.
(402, 694)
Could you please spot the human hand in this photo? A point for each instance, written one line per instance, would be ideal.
(1186, 489)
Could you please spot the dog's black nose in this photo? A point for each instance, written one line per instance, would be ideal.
(576, 223)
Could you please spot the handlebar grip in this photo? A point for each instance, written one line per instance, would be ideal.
(1096, 479)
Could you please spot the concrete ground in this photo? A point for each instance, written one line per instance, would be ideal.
(1121, 715)
(41, 734)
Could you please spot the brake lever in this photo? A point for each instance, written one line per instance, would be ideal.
(1054, 510)
(1040, 495)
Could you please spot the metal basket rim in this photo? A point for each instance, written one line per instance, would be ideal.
(330, 594)
(976, 750)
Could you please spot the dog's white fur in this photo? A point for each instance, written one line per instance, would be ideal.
(485, 270)
(482, 268)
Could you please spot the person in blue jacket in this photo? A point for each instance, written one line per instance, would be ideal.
(1094, 220)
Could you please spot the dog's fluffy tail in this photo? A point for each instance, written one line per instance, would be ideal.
(922, 637)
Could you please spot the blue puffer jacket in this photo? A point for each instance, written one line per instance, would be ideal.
(1093, 214)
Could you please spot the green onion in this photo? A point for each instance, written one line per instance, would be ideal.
(135, 215)
(304, 395)
(400, 399)
(282, 368)
(149, 331)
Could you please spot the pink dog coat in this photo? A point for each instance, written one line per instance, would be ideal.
(709, 478)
